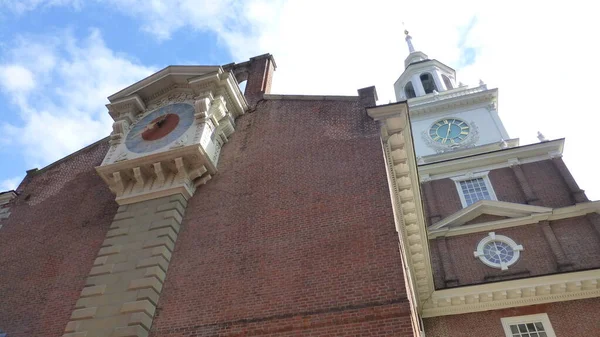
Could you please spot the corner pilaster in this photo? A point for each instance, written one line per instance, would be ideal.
(562, 262)
(404, 184)
(450, 279)
(530, 196)
(577, 193)
(122, 290)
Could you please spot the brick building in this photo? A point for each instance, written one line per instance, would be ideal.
(208, 212)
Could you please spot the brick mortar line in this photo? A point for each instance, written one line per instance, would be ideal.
(341, 309)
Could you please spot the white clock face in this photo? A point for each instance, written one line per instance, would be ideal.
(449, 131)
(160, 128)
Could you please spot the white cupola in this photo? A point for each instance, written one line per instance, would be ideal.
(422, 76)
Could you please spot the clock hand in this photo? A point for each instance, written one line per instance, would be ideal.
(448, 133)
(152, 125)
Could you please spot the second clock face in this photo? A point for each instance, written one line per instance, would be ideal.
(160, 128)
(449, 131)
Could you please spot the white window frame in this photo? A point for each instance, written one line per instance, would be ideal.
(493, 237)
(469, 176)
(543, 318)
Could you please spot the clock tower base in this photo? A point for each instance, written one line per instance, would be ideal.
(122, 290)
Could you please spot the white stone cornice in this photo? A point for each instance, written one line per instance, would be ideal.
(492, 160)
(405, 191)
(514, 293)
(6, 197)
(449, 99)
(179, 170)
(181, 164)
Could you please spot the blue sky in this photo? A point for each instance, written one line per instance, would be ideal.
(60, 59)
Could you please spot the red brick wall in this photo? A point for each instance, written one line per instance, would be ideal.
(545, 181)
(547, 184)
(49, 243)
(293, 236)
(579, 241)
(444, 197)
(506, 186)
(580, 318)
(575, 235)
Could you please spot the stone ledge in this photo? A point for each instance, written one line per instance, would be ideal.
(139, 306)
(130, 331)
(147, 282)
(93, 291)
(163, 241)
(80, 314)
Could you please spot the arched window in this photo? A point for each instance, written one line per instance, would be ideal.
(409, 91)
(428, 83)
(447, 82)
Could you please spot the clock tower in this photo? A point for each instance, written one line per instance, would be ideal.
(168, 132)
(446, 116)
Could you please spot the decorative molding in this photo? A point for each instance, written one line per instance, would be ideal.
(449, 99)
(170, 95)
(492, 160)
(405, 191)
(493, 106)
(158, 175)
(493, 207)
(531, 215)
(5, 198)
(187, 162)
(514, 293)
(472, 151)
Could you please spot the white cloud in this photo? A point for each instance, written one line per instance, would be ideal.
(22, 6)
(67, 111)
(541, 58)
(15, 78)
(10, 183)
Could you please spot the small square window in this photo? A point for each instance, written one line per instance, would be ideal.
(474, 188)
(528, 326)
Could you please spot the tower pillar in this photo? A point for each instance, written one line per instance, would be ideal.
(121, 292)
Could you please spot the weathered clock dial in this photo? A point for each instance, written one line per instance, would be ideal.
(160, 128)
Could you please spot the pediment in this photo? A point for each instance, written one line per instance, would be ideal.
(488, 210)
(193, 81)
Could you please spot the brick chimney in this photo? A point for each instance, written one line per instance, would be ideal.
(258, 71)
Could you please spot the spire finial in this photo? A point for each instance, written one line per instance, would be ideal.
(408, 39)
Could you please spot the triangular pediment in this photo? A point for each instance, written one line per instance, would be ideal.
(163, 79)
(177, 81)
(489, 210)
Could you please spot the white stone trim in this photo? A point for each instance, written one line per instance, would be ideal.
(450, 99)
(514, 293)
(6, 197)
(493, 207)
(403, 181)
(469, 176)
(443, 228)
(543, 318)
(493, 160)
(493, 237)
